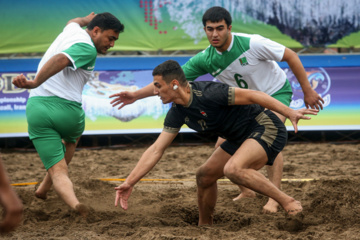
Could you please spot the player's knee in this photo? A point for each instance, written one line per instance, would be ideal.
(233, 172)
(229, 170)
(204, 177)
(59, 169)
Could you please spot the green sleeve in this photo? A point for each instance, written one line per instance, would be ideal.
(83, 55)
(194, 68)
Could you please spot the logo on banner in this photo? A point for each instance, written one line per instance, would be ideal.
(319, 81)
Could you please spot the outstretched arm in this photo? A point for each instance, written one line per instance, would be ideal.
(147, 161)
(124, 98)
(246, 96)
(83, 21)
(55, 64)
(311, 98)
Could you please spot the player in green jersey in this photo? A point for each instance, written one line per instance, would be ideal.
(54, 113)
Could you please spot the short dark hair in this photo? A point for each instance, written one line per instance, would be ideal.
(106, 21)
(216, 14)
(170, 70)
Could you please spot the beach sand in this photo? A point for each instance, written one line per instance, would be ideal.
(325, 177)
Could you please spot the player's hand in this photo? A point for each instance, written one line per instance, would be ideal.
(123, 193)
(11, 221)
(89, 17)
(21, 81)
(313, 100)
(123, 98)
(13, 212)
(296, 115)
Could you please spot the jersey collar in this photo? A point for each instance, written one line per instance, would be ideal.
(230, 46)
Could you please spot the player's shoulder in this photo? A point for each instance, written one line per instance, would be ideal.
(208, 92)
(201, 57)
(74, 30)
(207, 86)
(253, 42)
(251, 37)
(207, 51)
(85, 47)
(74, 34)
(72, 26)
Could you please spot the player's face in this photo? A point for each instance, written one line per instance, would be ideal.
(163, 90)
(103, 40)
(218, 34)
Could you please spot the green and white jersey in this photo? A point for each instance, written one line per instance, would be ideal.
(249, 62)
(77, 45)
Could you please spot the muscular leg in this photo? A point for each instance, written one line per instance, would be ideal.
(46, 183)
(275, 173)
(206, 177)
(245, 192)
(62, 183)
(64, 187)
(242, 169)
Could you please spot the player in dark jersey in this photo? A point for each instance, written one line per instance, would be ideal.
(254, 136)
(246, 61)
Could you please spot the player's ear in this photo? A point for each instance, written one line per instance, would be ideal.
(175, 84)
(96, 30)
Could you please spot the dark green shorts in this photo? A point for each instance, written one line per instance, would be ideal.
(284, 94)
(51, 119)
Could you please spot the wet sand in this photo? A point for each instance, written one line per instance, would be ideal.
(324, 177)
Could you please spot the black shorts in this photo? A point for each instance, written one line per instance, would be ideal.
(268, 130)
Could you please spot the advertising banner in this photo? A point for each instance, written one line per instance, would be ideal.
(338, 86)
(170, 25)
(340, 89)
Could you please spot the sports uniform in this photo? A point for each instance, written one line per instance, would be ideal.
(54, 109)
(249, 62)
(211, 109)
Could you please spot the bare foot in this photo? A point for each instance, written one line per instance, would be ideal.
(82, 209)
(271, 206)
(293, 208)
(39, 194)
(43, 197)
(245, 194)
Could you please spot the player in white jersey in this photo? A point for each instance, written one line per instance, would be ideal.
(246, 61)
(54, 113)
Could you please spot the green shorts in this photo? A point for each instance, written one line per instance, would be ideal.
(51, 119)
(284, 94)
